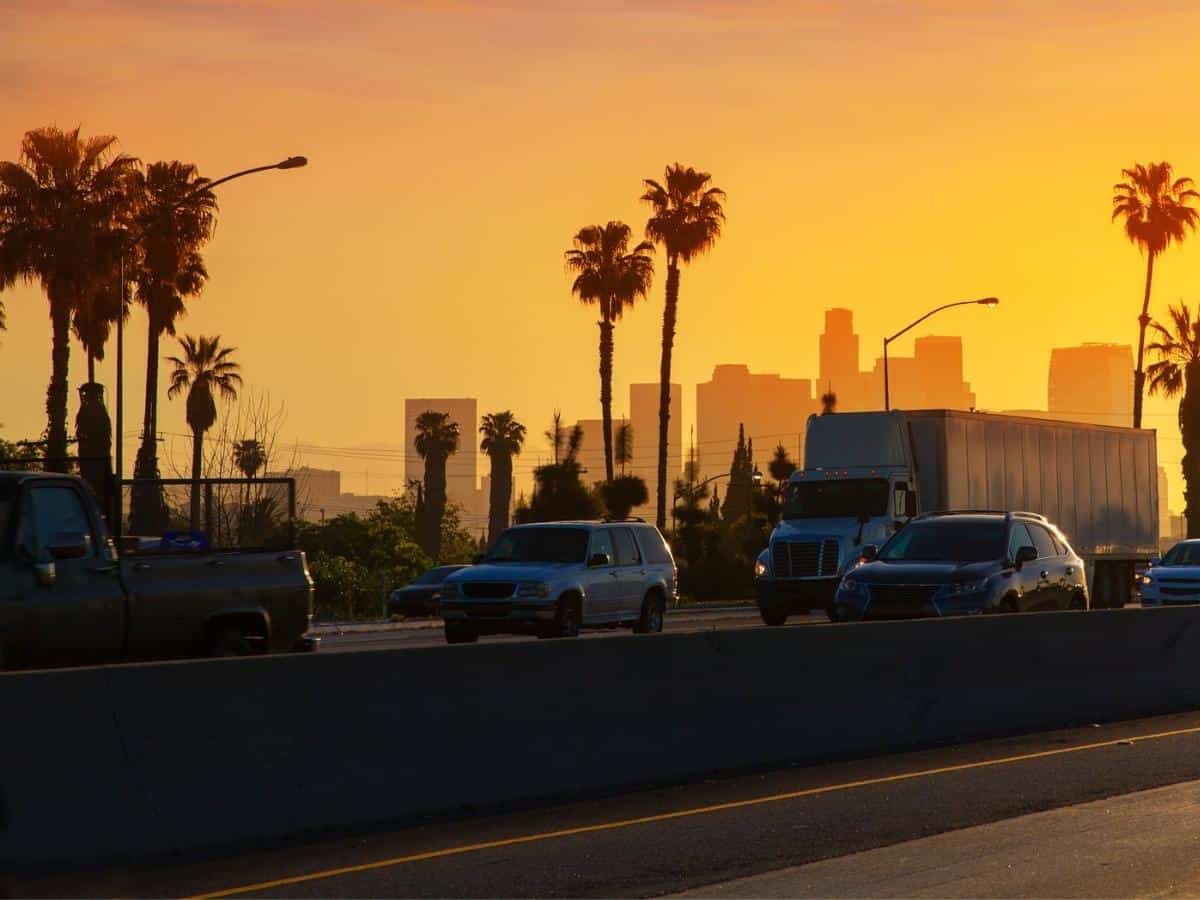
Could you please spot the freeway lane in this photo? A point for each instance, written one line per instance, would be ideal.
(428, 632)
(686, 837)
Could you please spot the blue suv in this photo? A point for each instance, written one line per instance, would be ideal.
(554, 578)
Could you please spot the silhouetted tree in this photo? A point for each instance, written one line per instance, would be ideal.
(60, 205)
(436, 441)
(175, 216)
(686, 218)
(780, 469)
(249, 456)
(828, 403)
(204, 370)
(1177, 374)
(622, 494)
(623, 445)
(559, 492)
(556, 434)
(613, 277)
(503, 438)
(1154, 206)
(739, 494)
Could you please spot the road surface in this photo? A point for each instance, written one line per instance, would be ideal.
(967, 819)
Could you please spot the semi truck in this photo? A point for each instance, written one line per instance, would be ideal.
(866, 474)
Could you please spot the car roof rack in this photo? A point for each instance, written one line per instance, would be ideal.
(607, 519)
(1007, 513)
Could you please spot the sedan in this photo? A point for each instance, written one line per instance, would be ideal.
(1173, 579)
(421, 596)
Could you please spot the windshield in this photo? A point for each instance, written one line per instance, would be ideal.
(550, 545)
(1182, 555)
(834, 499)
(946, 540)
(436, 576)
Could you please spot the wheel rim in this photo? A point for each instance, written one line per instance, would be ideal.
(570, 624)
(656, 617)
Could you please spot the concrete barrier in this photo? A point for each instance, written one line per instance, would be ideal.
(123, 763)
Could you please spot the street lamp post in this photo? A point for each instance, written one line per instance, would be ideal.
(887, 395)
(292, 162)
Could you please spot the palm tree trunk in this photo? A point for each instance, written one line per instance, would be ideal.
(500, 496)
(56, 391)
(91, 367)
(606, 370)
(664, 396)
(197, 463)
(1189, 427)
(147, 505)
(435, 503)
(1139, 376)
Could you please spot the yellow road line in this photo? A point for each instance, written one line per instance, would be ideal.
(680, 814)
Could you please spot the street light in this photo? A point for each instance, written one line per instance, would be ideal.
(292, 162)
(887, 396)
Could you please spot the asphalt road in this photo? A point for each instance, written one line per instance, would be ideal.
(428, 632)
(706, 834)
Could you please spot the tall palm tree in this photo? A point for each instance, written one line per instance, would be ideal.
(503, 437)
(95, 316)
(436, 441)
(249, 455)
(60, 205)
(623, 445)
(1154, 206)
(686, 218)
(1177, 372)
(613, 277)
(204, 370)
(175, 217)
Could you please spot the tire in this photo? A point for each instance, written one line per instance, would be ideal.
(459, 634)
(566, 621)
(773, 616)
(1077, 601)
(831, 613)
(651, 619)
(229, 640)
(1008, 606)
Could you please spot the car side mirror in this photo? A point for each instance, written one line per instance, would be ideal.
(480, 557)
(69, 545)
(46, 573)
(1024, 555)
(869, 553)
(599, 560)
(910, 505)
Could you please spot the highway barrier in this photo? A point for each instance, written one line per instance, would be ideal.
(124, 763)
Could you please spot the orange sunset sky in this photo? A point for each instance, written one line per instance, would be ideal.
(885, 156)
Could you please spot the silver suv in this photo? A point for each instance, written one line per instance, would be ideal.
(554, 578)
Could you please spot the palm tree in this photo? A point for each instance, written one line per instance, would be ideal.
(828, 402)
(623, 445)
(612, 276)
(503, 437)
(556, 434)
(686, 219)
(175, 218)
(249, 456)
(436, 441)
(1176, 372)
(204, 371)
(60, 205)
(1154, 206)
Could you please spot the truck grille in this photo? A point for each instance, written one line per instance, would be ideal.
(805, 559)
(488, 590)
(898, 601)
(490, 611)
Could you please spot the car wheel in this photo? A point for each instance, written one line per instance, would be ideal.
(1008, 605)
(459, 634)
(773, 615)
(566, 621)
(1077, 601)
(651, 619)
(229, 640)
(831, 612)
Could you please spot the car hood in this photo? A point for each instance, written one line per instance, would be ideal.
(506, 572)
(879, 572)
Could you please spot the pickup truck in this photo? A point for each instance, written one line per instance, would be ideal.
(67, 598)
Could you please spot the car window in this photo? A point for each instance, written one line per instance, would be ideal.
(53, 511)
(1019, 537)
(549, 545)
(945, 540)
(601, 543)
(653, 545)
(1043, 541)
(1060, 543)
(1184, 554)
(627, 548)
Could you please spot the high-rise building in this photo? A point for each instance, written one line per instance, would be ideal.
(838, 347)
(591, 450)
(773, 409)
(643, 420)
(1092, 383)
(932, 378)
(462, 469)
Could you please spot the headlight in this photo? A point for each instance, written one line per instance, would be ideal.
(852, 586)
(533, 589)
(1146, 579)
(760, 568)
(966, 587)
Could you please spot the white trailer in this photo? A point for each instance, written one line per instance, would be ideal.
(866, 473)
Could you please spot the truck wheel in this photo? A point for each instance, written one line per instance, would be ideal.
(773, 615)
(566, 621)
(651, 619)
(229, 640)
(458, 634)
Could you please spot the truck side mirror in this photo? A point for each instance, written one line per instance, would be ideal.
(869, 553)
(69, 545)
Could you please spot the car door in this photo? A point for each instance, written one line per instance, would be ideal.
(631, 574)
(1051, 568)
(1031, 586)
(600, 582)
(79, 618)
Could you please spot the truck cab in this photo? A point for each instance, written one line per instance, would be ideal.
(857, 488)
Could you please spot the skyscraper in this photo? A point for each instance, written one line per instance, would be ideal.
(773, 409)
(462, 469)
(1092, 383)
